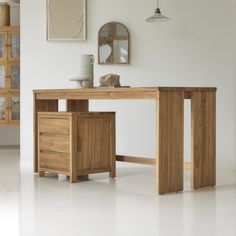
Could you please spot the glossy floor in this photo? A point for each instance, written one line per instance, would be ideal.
(32, 206)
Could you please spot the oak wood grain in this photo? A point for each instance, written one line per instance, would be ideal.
(54, 126)
(146, 161)
(39, 106)
(96, 141)
(73, 147)
(56, 161)
(113, 93)
(203, 139)
(77, 105)
(170, 141)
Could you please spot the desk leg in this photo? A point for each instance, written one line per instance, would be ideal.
(41, 105)
(170, 141)
(78, 106)
(112, 173)
(203, 139)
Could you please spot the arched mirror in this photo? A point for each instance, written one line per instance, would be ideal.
(113, 44)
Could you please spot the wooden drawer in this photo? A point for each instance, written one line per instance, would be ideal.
(54, 126)
(55, 161)
(54, 143)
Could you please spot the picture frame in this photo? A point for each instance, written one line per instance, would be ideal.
(66, 20)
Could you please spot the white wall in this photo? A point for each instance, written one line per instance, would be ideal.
(11, 135)
(196, 48)
(15, 15)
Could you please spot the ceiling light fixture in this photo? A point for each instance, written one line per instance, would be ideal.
(157, 17)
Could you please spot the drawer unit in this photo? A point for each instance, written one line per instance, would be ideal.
(76, 143)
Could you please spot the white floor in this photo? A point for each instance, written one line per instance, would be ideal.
(32, 206)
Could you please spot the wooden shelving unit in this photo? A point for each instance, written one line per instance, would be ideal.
(9, 75)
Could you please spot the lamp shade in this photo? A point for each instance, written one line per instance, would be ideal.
(157, 17)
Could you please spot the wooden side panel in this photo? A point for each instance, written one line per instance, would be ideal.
(203, 139)
(170, 141)
(112, 141)
(96, 148)
(73, 148)
(77, 105)
(41, 105)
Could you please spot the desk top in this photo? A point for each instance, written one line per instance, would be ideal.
(115, 93)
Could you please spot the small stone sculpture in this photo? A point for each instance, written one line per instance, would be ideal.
(110, 80)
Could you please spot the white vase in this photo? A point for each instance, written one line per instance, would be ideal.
(86, 63)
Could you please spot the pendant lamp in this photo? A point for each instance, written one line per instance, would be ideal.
(157, 17)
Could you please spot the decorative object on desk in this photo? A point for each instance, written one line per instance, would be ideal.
(110, 80)
(66, 20)
(82, 81)
(157, 17)
(85, 76)
(113, 44)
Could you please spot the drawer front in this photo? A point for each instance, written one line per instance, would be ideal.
(54, 126)
(55, 161)
(54, 143)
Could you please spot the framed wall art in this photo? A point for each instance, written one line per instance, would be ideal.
(66, 20)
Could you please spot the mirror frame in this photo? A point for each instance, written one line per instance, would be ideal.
(128, 39)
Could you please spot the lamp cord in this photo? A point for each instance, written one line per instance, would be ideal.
(158, 11)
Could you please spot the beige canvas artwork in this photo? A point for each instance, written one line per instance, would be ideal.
(66, 20)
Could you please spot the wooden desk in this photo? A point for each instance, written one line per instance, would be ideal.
(169, 161)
